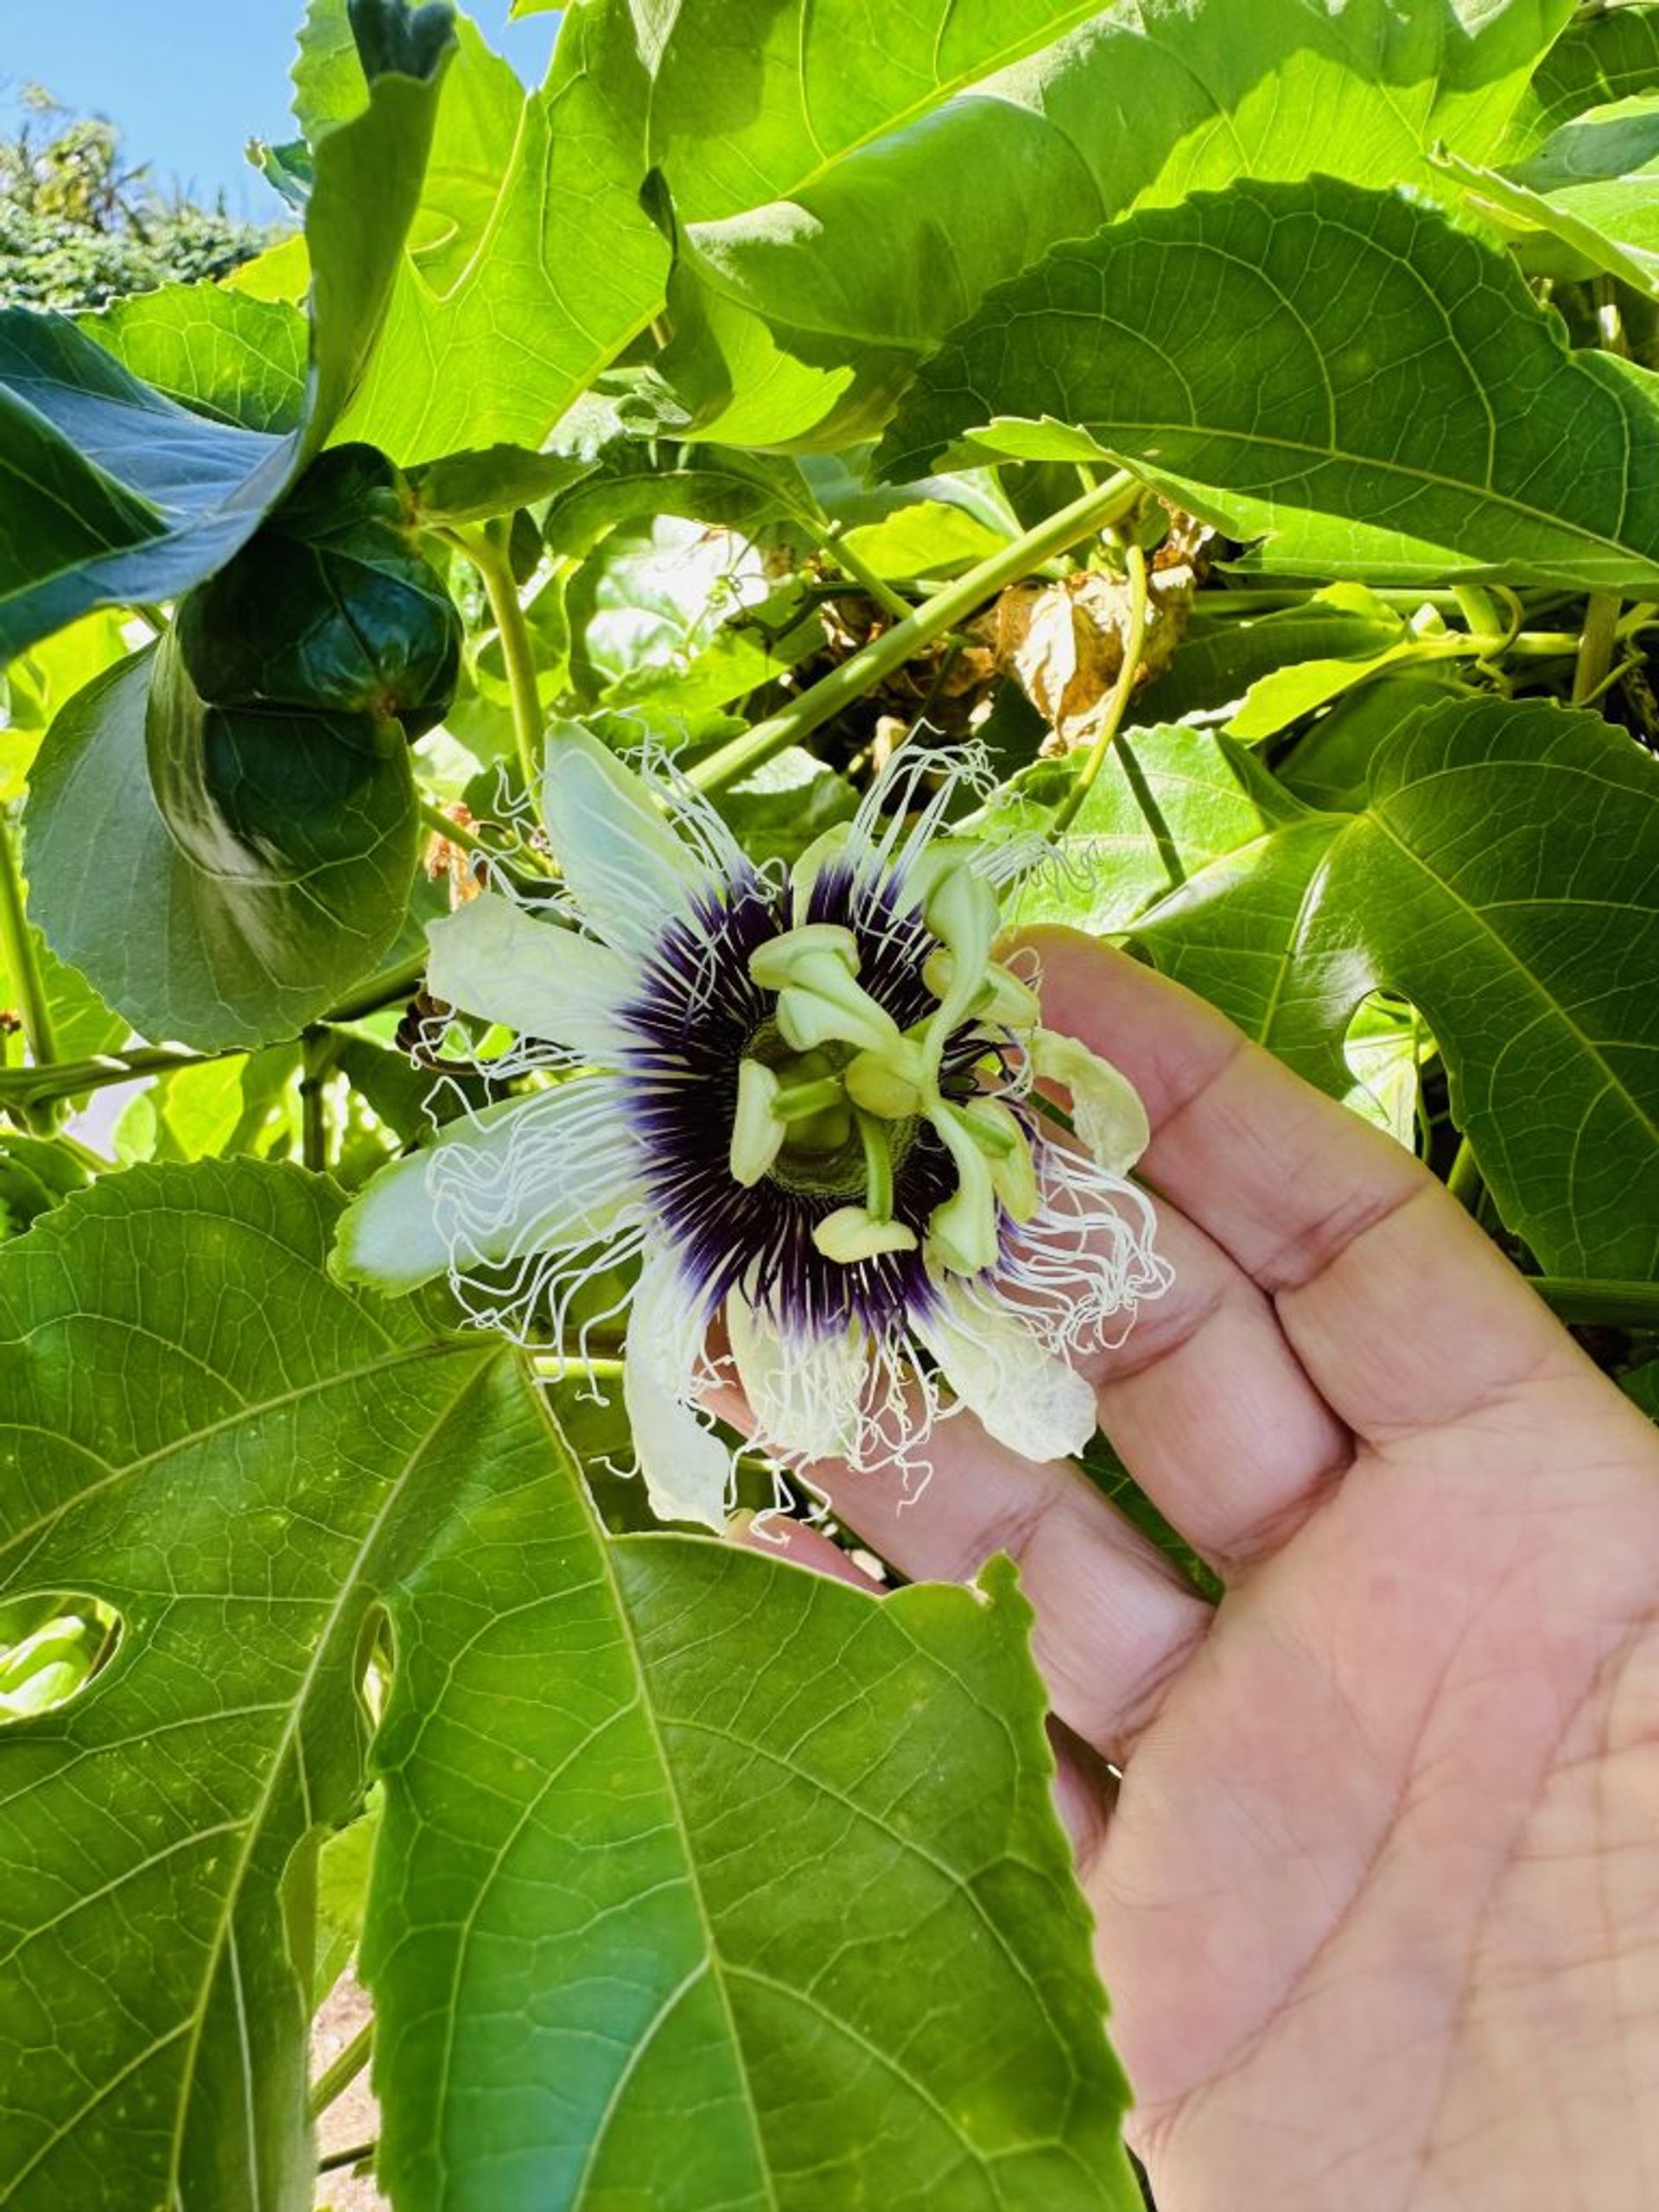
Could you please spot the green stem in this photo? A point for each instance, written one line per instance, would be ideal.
(1463, 1181)
(354, 2157)
(336, 2079)
(17, 947)
(1611, 1305)
(1478, 608)
(1116, 706)
(833, 543)
(21, 1089)
(879, 659)
(387, 990)
(488, 556)
(317, 1060)
(1596, 646)
(1526, 644)
(454, 833)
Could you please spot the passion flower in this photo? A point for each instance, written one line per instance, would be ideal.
(807, 1109)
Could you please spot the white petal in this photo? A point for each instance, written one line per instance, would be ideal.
(537, 1174)
(631, 874)
(1019, 1392)
(687, 1470)
(491, 958)
(806, 1394)
(1106, 1109)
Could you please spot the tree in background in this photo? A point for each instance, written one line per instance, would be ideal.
(77, 230)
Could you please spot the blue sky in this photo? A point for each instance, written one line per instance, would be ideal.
(190, 81)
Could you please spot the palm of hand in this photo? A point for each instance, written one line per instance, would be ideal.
(1379, 1902)
(1378, 1897)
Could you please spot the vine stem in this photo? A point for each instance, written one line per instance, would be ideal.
(489, 557)
(354, 2156)
(1118, 705)
(339, 2076)
(316, 1063)
(19, 950)
(872, 664)
(453, 833)
(1595, 645)
(1464, 1177)
(832, 543)
(21, 1089)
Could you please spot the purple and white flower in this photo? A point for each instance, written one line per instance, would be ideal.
(806, 1108)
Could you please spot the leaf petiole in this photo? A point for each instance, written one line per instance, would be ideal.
(487, 551)
(1118, 705)
(337, 2077)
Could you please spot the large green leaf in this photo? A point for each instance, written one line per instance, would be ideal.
(791, 324)
(701, 1883)
(533, 262)
(248, 868)
(666, 1916)
(221, 354)
(1339, 368)
(112, 494)
(1501, 872)
(530, 262)
(274, 1453)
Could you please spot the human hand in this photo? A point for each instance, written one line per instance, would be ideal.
(1378, 1893)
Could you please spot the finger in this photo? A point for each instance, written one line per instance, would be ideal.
(1403, 1312)
(1211, 1410)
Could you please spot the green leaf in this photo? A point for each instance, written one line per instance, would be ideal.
(769, 1968)
(787, 803)
(1338, 368)
(465, 487)
(32, 688)
(1613, 144)
(651, 597)
(111, 494)
(224, 354)
(1612, 227)
(928, 538)
(35, 1175)
(1224, 654)
(274, 1456)
(272, 801)
(634, 483)
(752, 102)
(218, 1110)
(790, 328)
(1275, 701)
(1603, 57)
(549, 273)
(249, 867)
(639, 1877)
(1501, 876)
(1329, 767)
(1170, 805)
(530, 262)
